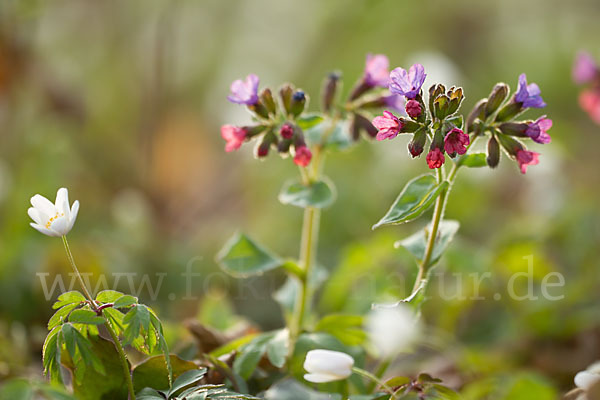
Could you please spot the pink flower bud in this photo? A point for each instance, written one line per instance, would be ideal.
(303, 156)
(413, 109)
(286, 131)
(435, 158)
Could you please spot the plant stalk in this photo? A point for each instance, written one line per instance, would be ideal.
(374, 379)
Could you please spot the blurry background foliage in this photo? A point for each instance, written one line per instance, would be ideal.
(121, 102)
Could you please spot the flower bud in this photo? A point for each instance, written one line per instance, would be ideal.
(286, 131)
(329, 90)
(512, 146)
(359, 123)
(302, 156)
(514, 128)
(478, 112)
(262, 150)
(413, 109)
(441, 106)
(259, 109)
(327, 366)
(434, 92)
(417, 144)
(493, 153)
(456, 97)
(496, 98)
(283, 146)
(509, 111)
(285, 94)
(298, 102)
(266, 98)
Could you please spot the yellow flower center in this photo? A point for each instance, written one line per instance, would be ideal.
(57, 216)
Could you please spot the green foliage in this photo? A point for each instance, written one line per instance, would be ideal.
(346, 328)
(308, 121)
(274, 345)
(475, 160)
(23, 389)
(417, 242)
(151, 372)
(333, 137)
(318, 194)
(242, 257)
(416, 198)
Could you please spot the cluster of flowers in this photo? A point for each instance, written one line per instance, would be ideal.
(443, 128)
(587, 72)
(277, 124)
(270, 118)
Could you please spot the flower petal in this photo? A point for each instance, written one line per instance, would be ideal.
(62, 202)
(44, 230)
(35, 215)
(60, 226)
(73, 217)
(44, 205)
(321, 378)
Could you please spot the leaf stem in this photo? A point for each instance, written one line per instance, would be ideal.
(109, 328)
(374, 379)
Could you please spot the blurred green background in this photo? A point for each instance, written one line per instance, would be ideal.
(121, 102)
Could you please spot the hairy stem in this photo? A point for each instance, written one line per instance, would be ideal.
(109, 328)
(375, 380)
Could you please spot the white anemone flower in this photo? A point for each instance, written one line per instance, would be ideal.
(53, 219)
(327, 366)
(392, 329)
(588, 379)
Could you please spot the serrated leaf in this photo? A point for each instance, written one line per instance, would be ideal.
(308, 121)
(242, 257)
(186, 379)
(108, 296)
(162, 344)
(51, 355)
(125, 301)
(85, 317)
(69, 298)
(476, 160)
(319, 194)
(250, 354)
(416, 198)
(60, 315)
(136, 322)
(80, 351)
(417, 242)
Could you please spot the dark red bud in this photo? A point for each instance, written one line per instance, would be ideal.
(413, 109)
(286, 131)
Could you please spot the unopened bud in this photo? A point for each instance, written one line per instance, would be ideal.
(509, 111)
(266, 98)
(514, 128)
(329, 90)
(441, 106)
(284, 145)
(417, 144)
(496, 98)
(286, 131)
(456, 97)
(298, 102)
(478, 112)
(285, 94)
(512, 146)
(435, 91)
(361, 123)
(259, 109)
(493, 153)
(413, 109)
(263, 148)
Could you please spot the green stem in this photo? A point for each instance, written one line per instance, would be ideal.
(383, 366)
(375, 380)
(109, 328)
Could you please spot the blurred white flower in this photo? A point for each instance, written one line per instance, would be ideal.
(392, 329)
(327, 366)
(587, 379)
(53, 219)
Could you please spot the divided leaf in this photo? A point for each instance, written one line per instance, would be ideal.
(69, 298)
(242, 257)
(82, 316)
(319, 194)
(416, 198)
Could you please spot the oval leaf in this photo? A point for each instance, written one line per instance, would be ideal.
(416, 197)
(416, 243)
(318, 194)
(85, 317)
(242, 257)
(476, 160)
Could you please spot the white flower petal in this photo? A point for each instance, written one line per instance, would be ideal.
(321, 378)
(60, 225)
(44, 230)
(35, 215)
(585, 380)
(43, 205)
(62, 202)
(331, 363)
(73, 214)
(392, 329)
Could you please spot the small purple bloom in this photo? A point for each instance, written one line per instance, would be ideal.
(584, 69)
(395, 102)
(377, 70)
(388, 126)
(538, 130)
(529, 95)
(407, 83)
(245, 92)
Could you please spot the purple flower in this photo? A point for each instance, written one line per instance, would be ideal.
(529, 95)
(538, 130)
(377, 70)
(244, 92)
(395, 102)
(526, 158)
(584, 69)
(407, 83)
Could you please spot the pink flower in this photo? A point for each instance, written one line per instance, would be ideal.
(388, 126)
(302, 156)
(584, 69)
(538, 130)
(377, 70)
(456, 141)
(413, 109)
(589, 100)
(526, 158)
(234, 136)
(245, 92)
(435, 158)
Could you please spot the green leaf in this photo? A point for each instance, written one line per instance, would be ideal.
(125, 301)
(417, 242)
(108, 296)
(80, 350)
(278, 347)
(416, 197)
(151, 372)
(233, 345)
(290, 389)
(250, 354)
(397, 381)
(335, 137)
(186, 379)
(162, 344)
(309, 120)
(51, 355)
(69, 298)
(18, 389)
(59, 317)
(242, 257)
(347, 328)
(318, 194)
(287, 294)
(85, 317)
(476, 160)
